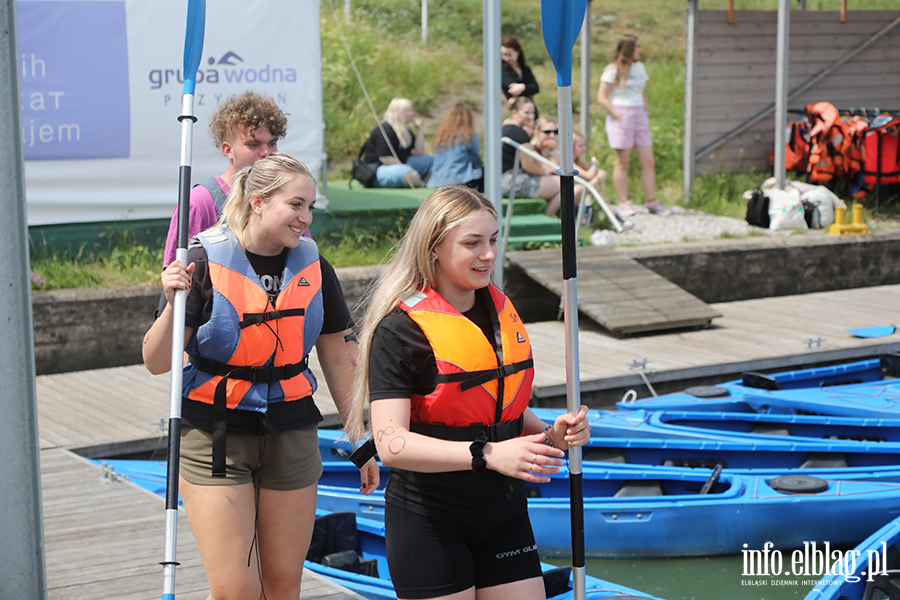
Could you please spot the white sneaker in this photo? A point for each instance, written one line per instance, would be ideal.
(625, 209)
(656, 207)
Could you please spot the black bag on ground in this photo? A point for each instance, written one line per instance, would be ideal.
(758, 209)
(363, 172)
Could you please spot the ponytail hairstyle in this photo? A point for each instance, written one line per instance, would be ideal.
(264, 179)
(624, 57)
(411, 268)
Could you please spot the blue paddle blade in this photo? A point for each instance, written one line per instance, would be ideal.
(873, 332)
(561, 21)
(193, 42)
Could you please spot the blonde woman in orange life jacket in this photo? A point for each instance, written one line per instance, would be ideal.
(259, 298)
(446, 368)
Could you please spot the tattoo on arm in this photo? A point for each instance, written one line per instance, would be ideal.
(381, 433)
(395, 444)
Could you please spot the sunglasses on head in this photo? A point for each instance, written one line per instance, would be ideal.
(550, 131)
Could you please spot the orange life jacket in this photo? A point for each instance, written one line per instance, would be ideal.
(856, 152)
(796, 151)
(829, 143)
(247, 333)
(476, 384)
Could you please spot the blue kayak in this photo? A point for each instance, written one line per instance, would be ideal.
(785, 428)
(756, 456)
(869, 388)
(656, 512)
(870, 571)
(351, 550)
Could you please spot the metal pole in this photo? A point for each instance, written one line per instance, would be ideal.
(424, 22)
(782, 67)
(23, 571)
(492, 121)
(586, 88)
(689, 161)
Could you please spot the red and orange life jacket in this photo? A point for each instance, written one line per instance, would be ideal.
(829, 143)
(476, 384)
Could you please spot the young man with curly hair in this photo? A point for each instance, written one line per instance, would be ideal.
(246, 128)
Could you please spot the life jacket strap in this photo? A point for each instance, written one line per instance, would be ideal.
(259, 318)
(220, 402)
(495, 432)
(470, 379)
(252, 374)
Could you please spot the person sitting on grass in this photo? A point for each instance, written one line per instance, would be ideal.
(590, 172)
(534, 179)
(457, 153)
(399, 152)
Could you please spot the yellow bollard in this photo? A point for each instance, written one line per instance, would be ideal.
(841, 228)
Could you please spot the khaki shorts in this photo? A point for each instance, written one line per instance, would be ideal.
(283, 461)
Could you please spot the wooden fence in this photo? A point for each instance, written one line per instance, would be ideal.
(734, 78)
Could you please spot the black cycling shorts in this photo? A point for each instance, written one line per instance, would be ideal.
(430, 557)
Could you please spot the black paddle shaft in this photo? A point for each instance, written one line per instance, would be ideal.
(184, 205)
(567, 214)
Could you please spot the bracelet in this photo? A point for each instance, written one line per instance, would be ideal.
(547, 440)
(477, 449)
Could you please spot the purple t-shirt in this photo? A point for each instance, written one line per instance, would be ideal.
(203, 215)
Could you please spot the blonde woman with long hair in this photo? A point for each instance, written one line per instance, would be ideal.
(259, 297)
(623, 94)
(399, 152)
(446, 370)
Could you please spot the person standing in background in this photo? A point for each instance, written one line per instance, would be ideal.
(246, 128)
(623, 93)
(516, 77)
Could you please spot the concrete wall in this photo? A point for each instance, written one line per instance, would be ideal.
(87, 329)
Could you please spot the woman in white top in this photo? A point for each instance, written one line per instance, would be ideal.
(624, 96)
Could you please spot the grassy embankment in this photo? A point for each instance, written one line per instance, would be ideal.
(385, 39)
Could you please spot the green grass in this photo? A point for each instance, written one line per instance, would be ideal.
(126, 264)
(385, 39)
(132, 264)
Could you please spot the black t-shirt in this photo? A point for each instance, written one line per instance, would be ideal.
(401, 363)
(517, 134)
(280, 416)
(376, 147)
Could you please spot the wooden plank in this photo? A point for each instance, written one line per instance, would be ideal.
(758, 334)
(104, 540)
(117, 405)
(723, 105)
(619, 293)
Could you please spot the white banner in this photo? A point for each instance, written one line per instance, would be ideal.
(101, 92)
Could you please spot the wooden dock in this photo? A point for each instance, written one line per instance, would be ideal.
(103, 538)
(752, 335)
(617, 292)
